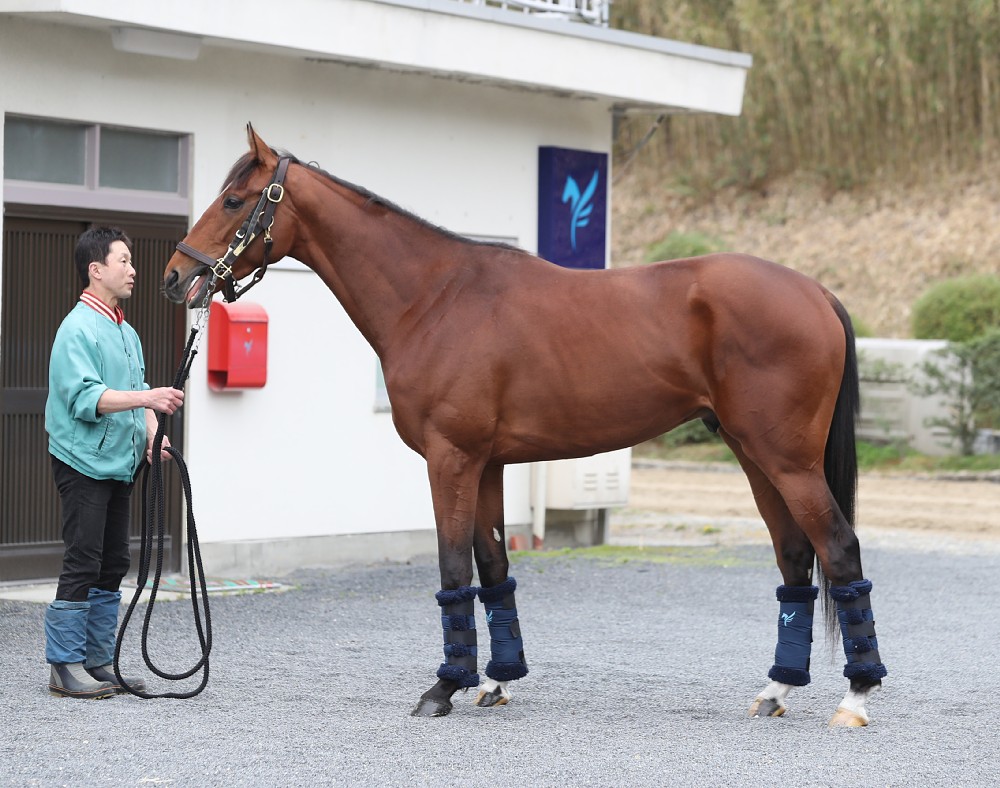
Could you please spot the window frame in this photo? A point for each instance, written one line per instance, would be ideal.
(91, 195)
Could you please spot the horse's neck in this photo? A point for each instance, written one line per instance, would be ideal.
(379, 264)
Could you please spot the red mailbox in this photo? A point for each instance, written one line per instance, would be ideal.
(237, 346)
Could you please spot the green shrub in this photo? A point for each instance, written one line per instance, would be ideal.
(958, 309)
(677, 245)
(968, 381)
(881, 455)
(861, 328)
(688, 434)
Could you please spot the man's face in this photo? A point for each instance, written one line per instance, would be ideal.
(117, 274)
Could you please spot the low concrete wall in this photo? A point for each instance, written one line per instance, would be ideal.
(890, 411)
(277, 557)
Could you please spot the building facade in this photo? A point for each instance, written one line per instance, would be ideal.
(140, 108)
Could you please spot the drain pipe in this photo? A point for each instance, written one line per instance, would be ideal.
(538, 505)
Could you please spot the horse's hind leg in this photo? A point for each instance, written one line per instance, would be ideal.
(796, 596)
(839, 556)
(497, 593)
(812, 506)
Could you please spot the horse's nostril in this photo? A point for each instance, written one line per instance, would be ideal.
(170, 281)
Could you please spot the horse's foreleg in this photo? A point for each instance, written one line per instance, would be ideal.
(497, 593)
(796, 596)
(454, 479)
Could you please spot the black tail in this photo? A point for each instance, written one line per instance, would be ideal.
(841, 459)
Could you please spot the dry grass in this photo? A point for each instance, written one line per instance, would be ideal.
(877, 248)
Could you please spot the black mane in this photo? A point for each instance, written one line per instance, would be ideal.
(247, 164)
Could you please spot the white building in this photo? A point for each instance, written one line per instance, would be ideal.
(439, 105)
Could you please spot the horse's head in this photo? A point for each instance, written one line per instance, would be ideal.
(237, 234)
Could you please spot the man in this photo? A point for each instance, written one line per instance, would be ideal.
(100, 420)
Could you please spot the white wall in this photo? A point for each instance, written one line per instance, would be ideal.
(307, 455)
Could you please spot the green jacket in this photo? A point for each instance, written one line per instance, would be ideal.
(90, 355)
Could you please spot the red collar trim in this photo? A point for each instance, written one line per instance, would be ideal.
(98, 305)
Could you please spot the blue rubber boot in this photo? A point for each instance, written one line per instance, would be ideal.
(66, 652)
(66, 632)
(102, 624)
(102, 628)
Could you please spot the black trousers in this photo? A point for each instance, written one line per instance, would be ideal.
(95, 524)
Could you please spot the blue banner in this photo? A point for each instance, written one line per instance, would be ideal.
(572, 207)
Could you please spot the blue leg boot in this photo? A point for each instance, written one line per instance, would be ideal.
(857, 625)
(458, 671)
(458, 620)
(66, 652)
(791, 655)
(102, 626)
(506, 646)
(795, 623)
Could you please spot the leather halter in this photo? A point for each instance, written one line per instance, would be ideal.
(258, 222)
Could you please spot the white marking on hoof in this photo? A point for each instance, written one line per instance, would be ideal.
(772, 698)
(488, 686)
(851, 712)
(845, 718)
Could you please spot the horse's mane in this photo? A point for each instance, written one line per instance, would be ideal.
(245, 166)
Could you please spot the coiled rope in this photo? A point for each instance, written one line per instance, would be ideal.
(154, 507)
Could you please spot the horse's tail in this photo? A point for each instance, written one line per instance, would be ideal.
(840, 461)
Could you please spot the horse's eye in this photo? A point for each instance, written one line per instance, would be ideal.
(232, 203)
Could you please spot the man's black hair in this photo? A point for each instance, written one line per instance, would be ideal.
(95, 246)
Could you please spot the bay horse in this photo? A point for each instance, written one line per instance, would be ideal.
(484, 366)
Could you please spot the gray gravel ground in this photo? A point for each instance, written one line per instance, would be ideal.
(641, 673)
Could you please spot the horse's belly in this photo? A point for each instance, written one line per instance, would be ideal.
(587, 421)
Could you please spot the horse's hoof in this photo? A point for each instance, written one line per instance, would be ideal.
(766, 707)
(494, 697)
(493, 693)
(429, 707)
(845, 718)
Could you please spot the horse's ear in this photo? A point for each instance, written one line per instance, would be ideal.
(260, 149)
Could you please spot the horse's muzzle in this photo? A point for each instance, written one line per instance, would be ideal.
(190, 290)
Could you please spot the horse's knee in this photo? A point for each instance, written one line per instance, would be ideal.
(456, 568)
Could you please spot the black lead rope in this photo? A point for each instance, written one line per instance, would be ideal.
(153, 502)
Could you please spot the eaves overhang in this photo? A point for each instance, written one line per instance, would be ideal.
(449, 39)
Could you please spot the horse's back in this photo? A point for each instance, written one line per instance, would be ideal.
(684, 306)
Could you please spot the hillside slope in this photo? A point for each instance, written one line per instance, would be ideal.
(877, 249)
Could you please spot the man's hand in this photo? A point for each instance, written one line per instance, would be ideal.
(164, 455)
(165, 399)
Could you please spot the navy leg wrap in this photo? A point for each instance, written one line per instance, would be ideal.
(795, 622)
(506, 647)
(857, 625)
(458, 620)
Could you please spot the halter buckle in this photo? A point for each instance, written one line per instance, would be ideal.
(220, 269)
(269, 192)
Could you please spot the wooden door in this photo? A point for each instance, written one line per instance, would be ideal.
(39, 286)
